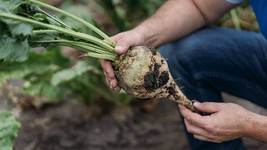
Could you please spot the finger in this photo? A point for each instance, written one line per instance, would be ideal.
(122, 43)
(202, 138)
(122, 46)
(114, 84)
(107, 81)
(117, 37)
(110, 83)
(102, 62)
(117, 89)
(107, 68)
(208, 107)
(194, 129)
(192, 117)
(109, 73)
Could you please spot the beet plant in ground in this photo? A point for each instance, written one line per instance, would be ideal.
(25, 24)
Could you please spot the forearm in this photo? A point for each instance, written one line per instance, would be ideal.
(257, 127)
(171, 21)
(177, 18)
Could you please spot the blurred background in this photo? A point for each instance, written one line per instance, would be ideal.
(63, 103)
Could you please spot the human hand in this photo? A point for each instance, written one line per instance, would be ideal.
(123, 42)
(226, 121)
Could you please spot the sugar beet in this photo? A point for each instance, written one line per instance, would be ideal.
(143, 73)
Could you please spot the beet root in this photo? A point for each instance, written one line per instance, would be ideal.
(143, 73)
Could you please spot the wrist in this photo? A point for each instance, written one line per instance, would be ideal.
(148, 35)
(141, 35)
(254, 121)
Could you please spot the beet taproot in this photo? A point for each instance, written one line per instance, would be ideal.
(143, 73)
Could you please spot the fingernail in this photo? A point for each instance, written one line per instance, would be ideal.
(105, 73)
(113, 84)
(119, 49)
(110, 86)
(117, 89)
(196, 104)
(180, 106)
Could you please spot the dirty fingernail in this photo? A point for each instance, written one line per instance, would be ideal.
(117, 89)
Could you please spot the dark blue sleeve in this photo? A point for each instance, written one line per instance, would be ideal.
(260, 9)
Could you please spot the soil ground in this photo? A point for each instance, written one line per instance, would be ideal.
(71, 126)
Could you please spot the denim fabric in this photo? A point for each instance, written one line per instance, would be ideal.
(213, 60)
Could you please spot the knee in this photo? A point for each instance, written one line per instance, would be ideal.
(199, 42)
(190, 55)
(181, 54)
(183, 50)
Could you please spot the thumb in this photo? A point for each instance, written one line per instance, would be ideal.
(122, 43)
(208, 107)
(121, 48)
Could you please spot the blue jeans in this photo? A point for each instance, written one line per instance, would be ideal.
(213, 60)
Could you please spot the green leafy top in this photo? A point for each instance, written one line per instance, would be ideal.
(25, 25)
(8, 130)
(10, 6)
(15, 46)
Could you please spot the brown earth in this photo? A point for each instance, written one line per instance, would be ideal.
(73, 126)
(70, 126)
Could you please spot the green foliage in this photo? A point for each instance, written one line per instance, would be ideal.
(68, 74)
(13, 35)
(241, 18)
(12, 49)
(85, 80)
(8, 130)
(48, 74)
(10, 6)
(26, 25)
(127, 13)
(36, 72)
(80, 11)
